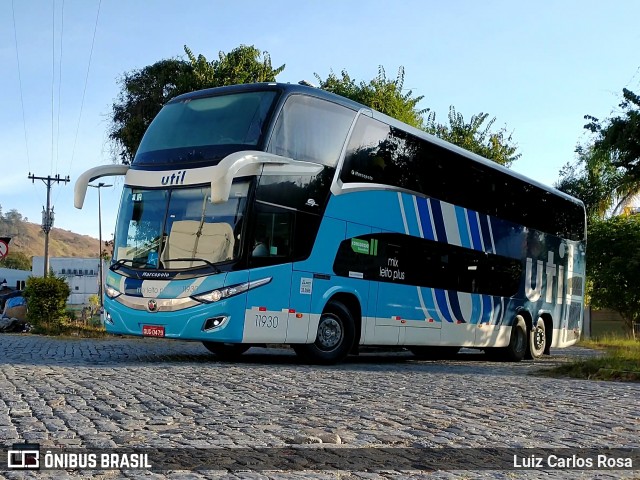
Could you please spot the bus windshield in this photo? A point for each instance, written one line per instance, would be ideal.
(205, 128)
(178, 228)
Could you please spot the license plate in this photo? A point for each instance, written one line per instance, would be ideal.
(152, 331)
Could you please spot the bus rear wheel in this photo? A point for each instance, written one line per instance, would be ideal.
(537, 340)
(226, 351)
(334, 337)
(517, 348)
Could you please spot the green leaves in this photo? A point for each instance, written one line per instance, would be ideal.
(46, 300)
(144, 92)
(381, 94)
(613, 264)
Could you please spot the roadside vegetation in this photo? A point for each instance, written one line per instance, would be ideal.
(620, 361)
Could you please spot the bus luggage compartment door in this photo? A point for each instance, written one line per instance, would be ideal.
(267, 314)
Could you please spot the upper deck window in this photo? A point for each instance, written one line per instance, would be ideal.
(205, 129)
(312, 130)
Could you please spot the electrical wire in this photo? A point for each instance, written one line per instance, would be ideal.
(84, 91)
(53, 79)
(59, 86)
(24, 120)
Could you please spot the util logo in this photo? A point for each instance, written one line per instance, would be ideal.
(176, 178)
(551, 270)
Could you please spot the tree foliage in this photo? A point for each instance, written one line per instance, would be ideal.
(387, 96)
(16, 261)
(244, 64)
(592, 179)
(613, 265)
(142, 95)
(477, 136)
(620, 135)
(381, 94)
(46, 300)
(144, 92)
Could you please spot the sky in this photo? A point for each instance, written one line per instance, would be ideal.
(537, 67)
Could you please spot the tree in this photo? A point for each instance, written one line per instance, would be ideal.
(592, 179)
(387, 97)
(144, 92)
(613, 266)
(380, 94)
(476, 136)
(619, 138)
(142, 95)
(621, 134)
(244, 64)
(16, 261)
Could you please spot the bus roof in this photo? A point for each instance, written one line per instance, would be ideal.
(289, 89)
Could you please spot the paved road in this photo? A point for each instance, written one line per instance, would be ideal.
(119, 392)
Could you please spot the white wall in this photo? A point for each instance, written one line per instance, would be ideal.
(13, 276)
(81, 275)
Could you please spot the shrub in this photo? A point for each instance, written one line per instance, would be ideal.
(46, 300)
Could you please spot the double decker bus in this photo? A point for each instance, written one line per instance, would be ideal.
(282, 214)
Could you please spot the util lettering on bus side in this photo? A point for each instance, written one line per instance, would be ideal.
(176, 178)
(551, 270)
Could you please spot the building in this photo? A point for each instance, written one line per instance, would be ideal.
(14, 278)
(81, 275)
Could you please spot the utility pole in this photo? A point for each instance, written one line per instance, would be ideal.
(100, 272)
(47, 215)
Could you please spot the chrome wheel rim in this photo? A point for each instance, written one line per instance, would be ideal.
(329, 332)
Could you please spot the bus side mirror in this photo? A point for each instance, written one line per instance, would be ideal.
(80, 189)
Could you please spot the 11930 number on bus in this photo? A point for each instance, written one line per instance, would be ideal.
(267, 321)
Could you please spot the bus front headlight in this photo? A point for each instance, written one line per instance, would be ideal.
(226, 292)
(111, 292)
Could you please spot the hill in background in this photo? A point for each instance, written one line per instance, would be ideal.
(28, 238)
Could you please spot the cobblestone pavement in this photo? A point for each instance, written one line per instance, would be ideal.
(119, 392)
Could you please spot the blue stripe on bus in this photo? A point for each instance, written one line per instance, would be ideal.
(475, 229)
(462, 227)
(476, 309)
(425, 219)
(486, 235)
(442, 305)
(410, 215)
(455, 306)
(436, 210)
(487, 308)
(428, 303)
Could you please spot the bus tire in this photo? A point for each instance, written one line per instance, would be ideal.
(517, 348)
(426, 352)
(334, 337)
(226, 351)
(537, 340)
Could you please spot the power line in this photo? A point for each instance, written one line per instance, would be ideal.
(59, 85)
(84, 91)
(24, 122)
(53, 78)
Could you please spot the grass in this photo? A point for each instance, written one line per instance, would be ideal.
(71, 328)
(621, 361)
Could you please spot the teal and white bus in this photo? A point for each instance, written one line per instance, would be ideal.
(282, 214)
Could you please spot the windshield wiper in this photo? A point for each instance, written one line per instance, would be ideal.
(115, 266)
(122, 261)
(195, 259)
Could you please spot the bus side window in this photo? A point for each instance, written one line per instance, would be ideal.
(272, 237)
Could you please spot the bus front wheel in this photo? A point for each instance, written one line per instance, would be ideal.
(334, 337)
(226, 351)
